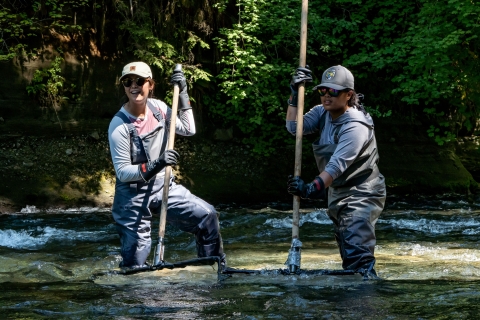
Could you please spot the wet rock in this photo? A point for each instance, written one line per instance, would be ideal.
(95, 135)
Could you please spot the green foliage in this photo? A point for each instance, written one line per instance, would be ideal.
(376, 113)
(440, 138)
(428, 51)
(22, 20)
(250, 96)
(47, 86)
(413, 58)
(151, 42)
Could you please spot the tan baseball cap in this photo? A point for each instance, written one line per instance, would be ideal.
(138, 68)
(337, 77)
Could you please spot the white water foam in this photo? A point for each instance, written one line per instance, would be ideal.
(471, 232)
(317, 217)
(24, 239)
(440, 253)
(21, 239)
(33, 209)
(29, 209)
(435, 226)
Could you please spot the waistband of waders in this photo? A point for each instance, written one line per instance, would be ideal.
(362, 178)
(135, 186)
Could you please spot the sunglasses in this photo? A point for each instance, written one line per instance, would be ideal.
(332, 92)
(127, 82)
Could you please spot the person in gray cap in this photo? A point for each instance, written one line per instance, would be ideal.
(138, 136)
(347, 156)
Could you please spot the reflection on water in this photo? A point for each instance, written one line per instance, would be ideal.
(428, 255)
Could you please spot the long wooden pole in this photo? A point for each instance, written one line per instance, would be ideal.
(293, 261)
(160, 248)
(300, 105)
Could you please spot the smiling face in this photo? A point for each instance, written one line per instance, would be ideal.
(336, 106)
(137, 95)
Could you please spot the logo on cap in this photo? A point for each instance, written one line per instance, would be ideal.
(132, 68)
(330, 74)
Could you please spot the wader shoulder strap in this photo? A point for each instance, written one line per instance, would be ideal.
(131, 128)
(133, 136)
(321, 125)
(156, 113)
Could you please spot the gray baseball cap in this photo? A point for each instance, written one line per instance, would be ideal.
(337, 77)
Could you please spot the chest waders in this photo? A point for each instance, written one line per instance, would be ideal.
(136, 201)
(355, 200)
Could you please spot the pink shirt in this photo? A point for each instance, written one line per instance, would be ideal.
(144, 125)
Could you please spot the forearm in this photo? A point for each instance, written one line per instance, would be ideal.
(310, 120)
(291, 113)
(185, 125)
(127, 172)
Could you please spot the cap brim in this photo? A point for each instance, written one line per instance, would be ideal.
(332, 85)
(134, 73)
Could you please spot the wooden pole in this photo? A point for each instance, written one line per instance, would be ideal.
(300, 105)
(160, 248)
(294, 256)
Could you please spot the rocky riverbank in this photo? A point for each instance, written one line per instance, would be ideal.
(71, 168)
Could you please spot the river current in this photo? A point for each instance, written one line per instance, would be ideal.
(55, 264)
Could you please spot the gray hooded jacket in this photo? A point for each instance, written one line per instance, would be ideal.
(346, 148)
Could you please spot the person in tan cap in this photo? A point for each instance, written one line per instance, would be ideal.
(347, 156)
(138, 136)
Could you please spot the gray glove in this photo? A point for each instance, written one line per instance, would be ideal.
(178, 78)
(149, 169)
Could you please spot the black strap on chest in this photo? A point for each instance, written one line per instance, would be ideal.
(131, 128)
(321, 125)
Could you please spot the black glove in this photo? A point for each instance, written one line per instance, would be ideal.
(301, 75)
(178, 78)
(150, 169)
(314, 190)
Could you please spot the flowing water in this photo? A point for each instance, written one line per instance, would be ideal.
(428, 256)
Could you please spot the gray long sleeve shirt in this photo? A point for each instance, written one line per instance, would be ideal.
(119, 138)
(352, 137)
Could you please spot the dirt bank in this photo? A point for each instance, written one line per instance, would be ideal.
(49, 167)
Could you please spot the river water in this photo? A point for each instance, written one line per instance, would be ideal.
(428, 256)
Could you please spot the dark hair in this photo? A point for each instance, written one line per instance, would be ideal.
(124, 98)
(355, 101)
(150, 94)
